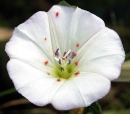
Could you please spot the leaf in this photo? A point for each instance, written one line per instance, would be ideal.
(64, 3)
(127, 57)
(6, 92)
(96, 108)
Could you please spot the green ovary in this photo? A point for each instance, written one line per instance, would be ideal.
(64, 72)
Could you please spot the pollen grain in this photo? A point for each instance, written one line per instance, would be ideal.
(77, 45)
(58, 80)
(48, 73)
(76, 73)
(57, 14)
(75, 54)
(76, 63)
(45, 39)
(46, 63)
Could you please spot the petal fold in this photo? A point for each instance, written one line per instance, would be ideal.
(31, 41)
(81, 91)
(35, 85)
(72, 26)
(104, 54)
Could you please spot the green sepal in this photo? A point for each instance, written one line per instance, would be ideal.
(74, 6)
(64, 3)
(96, 108)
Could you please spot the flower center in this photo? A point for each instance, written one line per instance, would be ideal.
(64, 64)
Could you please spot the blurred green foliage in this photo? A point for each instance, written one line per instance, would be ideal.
(13, 12)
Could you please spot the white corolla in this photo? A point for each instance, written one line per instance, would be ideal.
(66, 57)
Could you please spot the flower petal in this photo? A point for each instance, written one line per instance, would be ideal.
(35, 85)
(84, 25)
(59, 19)
(31, 41)
(104, 54)
(72, 26)
(81, 91)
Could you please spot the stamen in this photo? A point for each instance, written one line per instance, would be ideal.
(59, 61)
(67, 54)
(72, 56)
(65, 65)
(68, 62)
(57, 53)
(62, 60)
(64, 54)
(56, 59)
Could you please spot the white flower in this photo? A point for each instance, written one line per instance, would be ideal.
(66, 57)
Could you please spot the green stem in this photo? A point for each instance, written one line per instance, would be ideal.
(6, 92)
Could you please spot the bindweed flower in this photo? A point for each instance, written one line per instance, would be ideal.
(66, 57)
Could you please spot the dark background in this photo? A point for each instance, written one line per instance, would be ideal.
(14, 12)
